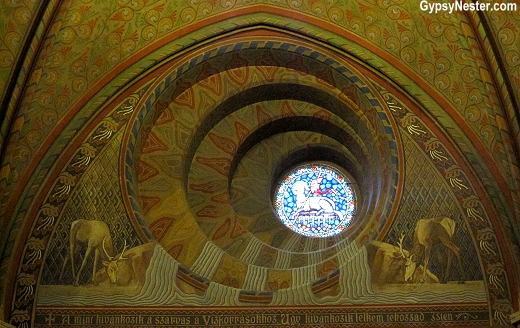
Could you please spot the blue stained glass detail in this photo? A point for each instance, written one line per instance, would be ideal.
(315, 201)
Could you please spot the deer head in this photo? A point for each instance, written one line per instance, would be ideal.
(112, 264)
(410, 265)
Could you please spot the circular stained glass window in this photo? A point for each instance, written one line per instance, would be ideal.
(315, 200)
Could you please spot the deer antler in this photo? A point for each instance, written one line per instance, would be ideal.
(400, 244)
(104, 249)
(121, 255)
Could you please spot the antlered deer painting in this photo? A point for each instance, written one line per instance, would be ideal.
(129, 268)
(92, 234)
(393, 264)
(125, 269)
(427, 234)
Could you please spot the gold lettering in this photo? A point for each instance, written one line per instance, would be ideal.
(87, 320)
(442, 317)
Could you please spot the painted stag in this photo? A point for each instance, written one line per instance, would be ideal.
(92, 234)
(387, 264)
(429, 233)
(129, 267)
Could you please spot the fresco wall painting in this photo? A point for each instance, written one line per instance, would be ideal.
(161, 212)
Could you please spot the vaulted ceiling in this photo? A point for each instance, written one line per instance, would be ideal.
(344, 81)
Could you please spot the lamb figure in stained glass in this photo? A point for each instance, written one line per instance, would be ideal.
(315, 200)
(308, 199)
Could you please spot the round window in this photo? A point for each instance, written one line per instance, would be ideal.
(315, 200)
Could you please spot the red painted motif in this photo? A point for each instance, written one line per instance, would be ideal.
(160, 227)
(153, 143)
(145, 171)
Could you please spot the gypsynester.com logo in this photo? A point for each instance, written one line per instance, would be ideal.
(459, 5)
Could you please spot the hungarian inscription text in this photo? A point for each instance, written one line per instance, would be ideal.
(265, 317)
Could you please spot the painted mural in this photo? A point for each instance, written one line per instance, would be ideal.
(199, 226)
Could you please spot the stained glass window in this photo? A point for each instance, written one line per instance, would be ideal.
(315, 201)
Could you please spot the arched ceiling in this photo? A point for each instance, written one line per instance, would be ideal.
(317, 75)
(274, 104)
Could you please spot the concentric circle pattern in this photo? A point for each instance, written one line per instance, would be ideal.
(208, 146)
